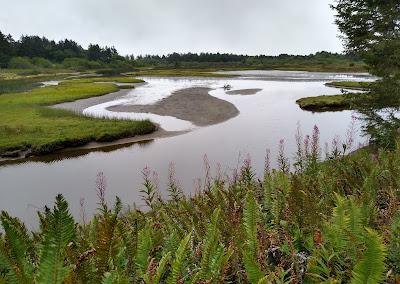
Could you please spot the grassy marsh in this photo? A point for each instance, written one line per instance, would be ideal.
(331, 103)
(339, 102)
(351, 85)
(179, 73)
(27, 124)
(116, 79)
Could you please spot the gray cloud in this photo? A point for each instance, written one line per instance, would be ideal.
(164, 26)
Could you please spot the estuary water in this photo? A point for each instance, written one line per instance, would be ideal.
(264, 119)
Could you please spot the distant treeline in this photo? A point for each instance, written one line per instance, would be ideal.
(30, 52)
(215, 60)
(35, 51)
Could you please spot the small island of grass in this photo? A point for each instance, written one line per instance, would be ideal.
(334, 103)
(344, 101)
(350, 85)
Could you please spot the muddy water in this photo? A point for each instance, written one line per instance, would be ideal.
(265, 117)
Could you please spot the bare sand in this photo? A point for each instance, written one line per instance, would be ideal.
(192, 104)
(244, 92)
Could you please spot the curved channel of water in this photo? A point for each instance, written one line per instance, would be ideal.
(264, 119)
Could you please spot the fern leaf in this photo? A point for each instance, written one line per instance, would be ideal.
(372, 266)
(144, 247)
(253, 271)
(210, 245)
(394, 248)
(108, 278)
(251, 217)
(161, 268)
(178, 261)
(60, 232)
(105, 239)
(14, 257)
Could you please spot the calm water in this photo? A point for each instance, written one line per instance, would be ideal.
(264, 119)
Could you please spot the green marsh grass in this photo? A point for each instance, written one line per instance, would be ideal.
(116, 79)
(326, 103)
(179, 73)
(351, 85)
(26, 122)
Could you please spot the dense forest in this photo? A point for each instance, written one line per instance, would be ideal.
(31, 51)
(39, 52)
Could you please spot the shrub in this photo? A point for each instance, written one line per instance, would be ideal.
(20, 63)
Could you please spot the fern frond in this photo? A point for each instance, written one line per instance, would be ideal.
(177, 263)
(210, 245)
(108, 278)
(356, 218)
(106, 239)
(58, 235)
(394, 248)
(251, 216)
(372, 266)
(13, 252)
(161, 268)
(337, 229)
(253, 271)
(143, 248)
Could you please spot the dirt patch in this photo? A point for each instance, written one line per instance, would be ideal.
(244, 92)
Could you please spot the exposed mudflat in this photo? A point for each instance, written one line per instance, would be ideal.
(192, 104)
(244, 92)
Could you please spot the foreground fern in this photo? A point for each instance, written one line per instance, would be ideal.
(330, 222)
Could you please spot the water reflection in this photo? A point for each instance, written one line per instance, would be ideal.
(76, 152)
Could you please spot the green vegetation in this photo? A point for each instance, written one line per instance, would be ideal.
(179, 73)
(346, 101)
(351, 85)
(330, 222)
(26, 124)
(378, 44)
(326, 103)
(39, 53)
(33, 52)
(318, 62)
(116, 79)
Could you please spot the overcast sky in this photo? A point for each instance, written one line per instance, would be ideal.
(164, 26)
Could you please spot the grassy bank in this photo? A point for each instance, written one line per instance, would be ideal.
(339, 102)
(331, 222)
(26, 124)
(345, 67)
(116, 79)
(351, 85)
(179, 73)
(329, 103)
